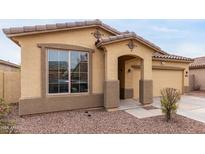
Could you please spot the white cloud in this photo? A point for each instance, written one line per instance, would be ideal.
(164, 29)
(190, 49)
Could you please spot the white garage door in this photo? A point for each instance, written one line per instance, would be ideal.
(166, 79)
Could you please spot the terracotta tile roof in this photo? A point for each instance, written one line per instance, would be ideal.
(198, 63)
(172, 57)
(131, 35)
(128, 35)
(3, 62)
(16, 31)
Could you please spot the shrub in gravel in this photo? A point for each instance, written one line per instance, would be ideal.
(170, 97)
(6, 126)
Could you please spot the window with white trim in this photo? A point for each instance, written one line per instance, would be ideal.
(67, 71)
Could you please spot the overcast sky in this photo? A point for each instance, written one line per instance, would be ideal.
(182, 37)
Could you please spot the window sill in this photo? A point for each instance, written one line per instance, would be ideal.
(68, 95)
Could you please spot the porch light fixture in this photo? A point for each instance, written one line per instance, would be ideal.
(186, 74)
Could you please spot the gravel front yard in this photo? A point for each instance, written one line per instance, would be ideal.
(100, 121)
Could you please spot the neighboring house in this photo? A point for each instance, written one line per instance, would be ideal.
(89, 64)
(197, 74)
(9, 81)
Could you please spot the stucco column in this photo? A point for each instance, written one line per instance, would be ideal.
(146, 83)
(111, 83)
(186, 87)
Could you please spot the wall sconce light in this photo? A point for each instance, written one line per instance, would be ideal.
(186, 74)
(129, 70)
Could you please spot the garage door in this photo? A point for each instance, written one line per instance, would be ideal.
(166, 79)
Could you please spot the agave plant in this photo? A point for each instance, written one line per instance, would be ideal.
(170, 97)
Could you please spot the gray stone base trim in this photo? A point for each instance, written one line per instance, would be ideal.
(126, 93)
(59, 103)
(186, 89)
(111, 94)
(146, 91)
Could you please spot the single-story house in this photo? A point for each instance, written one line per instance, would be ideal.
(197, 74)
(89, 64)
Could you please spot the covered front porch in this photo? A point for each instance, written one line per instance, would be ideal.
(117, 84)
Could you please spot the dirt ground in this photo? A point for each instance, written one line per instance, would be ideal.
(101, 122)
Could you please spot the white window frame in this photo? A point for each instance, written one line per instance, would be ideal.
(69, 74)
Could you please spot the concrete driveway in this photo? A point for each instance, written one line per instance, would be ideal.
(192, 107)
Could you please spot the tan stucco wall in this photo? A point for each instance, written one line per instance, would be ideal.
(31, 62)
(8, 68)
(199, 77)
(113, 51)
(10, 86)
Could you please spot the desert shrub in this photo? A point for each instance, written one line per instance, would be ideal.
(170, 97)
(6, 125)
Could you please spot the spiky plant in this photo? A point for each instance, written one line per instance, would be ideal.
(170, 97)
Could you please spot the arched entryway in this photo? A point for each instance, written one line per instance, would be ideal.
(120, 51)
(129, 74)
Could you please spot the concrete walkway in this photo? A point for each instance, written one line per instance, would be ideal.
(192, 107)
(129, 104)
(141, 113)
(136, 109)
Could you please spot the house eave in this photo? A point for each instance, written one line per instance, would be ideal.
(172, 60)
(58, 30)
(100, 45)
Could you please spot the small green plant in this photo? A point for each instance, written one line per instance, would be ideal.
(6, 126)
(170, 97)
